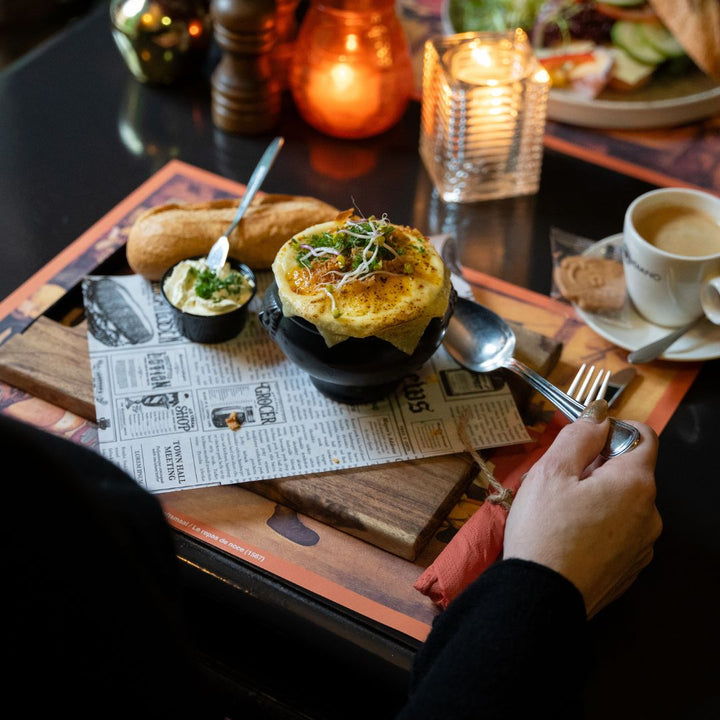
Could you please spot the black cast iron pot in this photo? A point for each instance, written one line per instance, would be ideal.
(356, 370)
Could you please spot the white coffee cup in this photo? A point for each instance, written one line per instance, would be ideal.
(671, 255)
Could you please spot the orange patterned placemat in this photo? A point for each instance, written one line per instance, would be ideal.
(316, 557)
(654, 394)
(371, 582)
(688, 155)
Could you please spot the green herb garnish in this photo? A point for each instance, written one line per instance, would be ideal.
(357, 240)
(358, 250)
(209, 286)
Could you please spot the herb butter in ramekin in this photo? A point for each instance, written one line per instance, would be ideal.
(209, 307)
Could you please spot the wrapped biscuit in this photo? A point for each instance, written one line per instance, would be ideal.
(594, 284)
(590, 275)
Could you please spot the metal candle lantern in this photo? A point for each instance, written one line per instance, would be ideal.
(162, 41)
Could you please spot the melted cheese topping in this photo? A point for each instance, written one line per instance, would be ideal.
(360, 278)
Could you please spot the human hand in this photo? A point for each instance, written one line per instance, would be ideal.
(595, 523)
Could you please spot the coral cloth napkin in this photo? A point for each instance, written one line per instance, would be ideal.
(479, 541)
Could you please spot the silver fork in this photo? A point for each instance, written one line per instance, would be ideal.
(481, 341)
(587, 387)
(598, 384)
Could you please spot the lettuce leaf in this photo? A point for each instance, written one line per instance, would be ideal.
(493, 15)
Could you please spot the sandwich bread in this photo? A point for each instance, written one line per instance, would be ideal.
(696, 26)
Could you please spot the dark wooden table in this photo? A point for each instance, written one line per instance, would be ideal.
(78, 134)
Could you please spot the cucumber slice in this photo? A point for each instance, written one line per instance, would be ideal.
(662, 40)
(627, 72)
(629, 36)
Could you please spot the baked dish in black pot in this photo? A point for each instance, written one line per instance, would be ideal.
(358, 304)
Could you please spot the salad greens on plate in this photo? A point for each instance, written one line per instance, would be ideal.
(585, 45)
(493, 15)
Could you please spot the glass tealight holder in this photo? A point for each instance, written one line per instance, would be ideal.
(484, 106)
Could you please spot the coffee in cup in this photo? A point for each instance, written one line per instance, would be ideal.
(680, 230)
(671, 255)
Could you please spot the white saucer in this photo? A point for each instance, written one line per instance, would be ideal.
(701, 343)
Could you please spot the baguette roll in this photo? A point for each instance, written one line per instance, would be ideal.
(164, 235)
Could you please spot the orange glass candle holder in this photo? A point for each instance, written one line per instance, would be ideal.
(351, 74)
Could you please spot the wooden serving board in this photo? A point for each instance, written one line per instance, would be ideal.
(396, 507)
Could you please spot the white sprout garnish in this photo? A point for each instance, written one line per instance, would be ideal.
(343, 247)
(375, 240)
(328, 290)
(317, 252)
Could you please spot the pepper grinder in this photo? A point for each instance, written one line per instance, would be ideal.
(246, 93)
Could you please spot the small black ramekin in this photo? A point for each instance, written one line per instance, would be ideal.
(212, 328)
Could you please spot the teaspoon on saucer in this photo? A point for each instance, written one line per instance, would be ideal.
(654, 350)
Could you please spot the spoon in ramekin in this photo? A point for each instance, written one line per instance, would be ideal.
(219, 251)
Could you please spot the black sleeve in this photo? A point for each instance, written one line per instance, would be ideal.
(93, 624)
(512, 645)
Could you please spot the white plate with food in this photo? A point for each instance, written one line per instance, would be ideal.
(633, 331)
(664, 102)
(617, 63)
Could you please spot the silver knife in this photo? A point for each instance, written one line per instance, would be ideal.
(617, 384)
